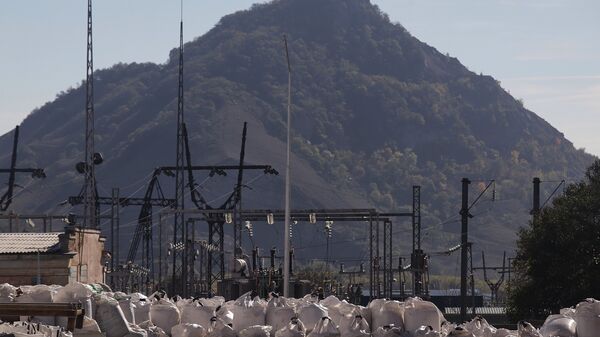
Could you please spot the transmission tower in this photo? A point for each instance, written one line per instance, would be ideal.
(418, 263)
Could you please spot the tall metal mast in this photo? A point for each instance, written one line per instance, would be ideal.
(179, 225)
(286, 239)
(90, 206)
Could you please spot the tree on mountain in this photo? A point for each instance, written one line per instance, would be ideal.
(558, 255)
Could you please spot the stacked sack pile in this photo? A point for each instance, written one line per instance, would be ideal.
(116, 314)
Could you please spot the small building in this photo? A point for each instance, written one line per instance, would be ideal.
(55, 257)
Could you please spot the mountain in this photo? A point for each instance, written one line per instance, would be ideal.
(375, 111)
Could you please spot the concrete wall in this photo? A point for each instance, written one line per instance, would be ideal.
(22, 269)
(89, 261)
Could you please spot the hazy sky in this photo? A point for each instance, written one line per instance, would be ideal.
(546, 52)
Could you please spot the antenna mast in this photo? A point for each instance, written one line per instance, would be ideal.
(286, 239)
(89, 193)
(179, 226)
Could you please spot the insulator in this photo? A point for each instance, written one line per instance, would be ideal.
(270, 218)
(228, 218)
(312, 218)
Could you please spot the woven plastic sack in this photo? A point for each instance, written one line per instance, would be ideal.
(587, 316)
(358, 327)
(388, 313)
(325, 328)
(188, 330)
(418, 312)
(256, 331)
(311, 314)
(7, 293)
(295, 328)
(194, 312)
(247, 311)
(218, 328)
(388, 331)
(164, 314)
(279, 313)
(110, 317)
(559, 326)
(427, 331)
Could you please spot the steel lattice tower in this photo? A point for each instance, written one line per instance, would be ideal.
(90, 218)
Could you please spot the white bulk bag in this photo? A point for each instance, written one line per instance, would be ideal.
(358, 327)
(247, 311)
(110, 317)
(136, 331)
(387, 313)
(225, 315)
(587, 316)
(141, 309)
(213, 302)
(218, 328)
(388, 331)
(479, 327)
(164, 314)
(325, 328)
(504, 333)
(418, 312)
(376, 304)
(460, 332)
(40, 293)
(311, 315)
(256, 331)
(89, 325)
(279, 313)
(194, 312)
(559, 325)
(342, 313)
(447, 327)
(527, 330)
(152, 330)
(126, 305)
(188, 330)
(7, 293)
(330, 301)
(427, 331)
(74, 292)
(295, 328)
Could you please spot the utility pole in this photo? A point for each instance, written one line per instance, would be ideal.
(535, 211)
(464, 236)
(178, 281)
(91, 210)
(286, 239)
(7, 198)
(114, 234)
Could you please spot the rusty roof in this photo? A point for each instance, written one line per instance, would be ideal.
(478, 310)
(24, 243)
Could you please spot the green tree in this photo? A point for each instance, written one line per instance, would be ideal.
(558, 255)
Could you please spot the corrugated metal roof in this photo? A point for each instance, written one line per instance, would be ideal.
(478, 310)
(22, 243)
